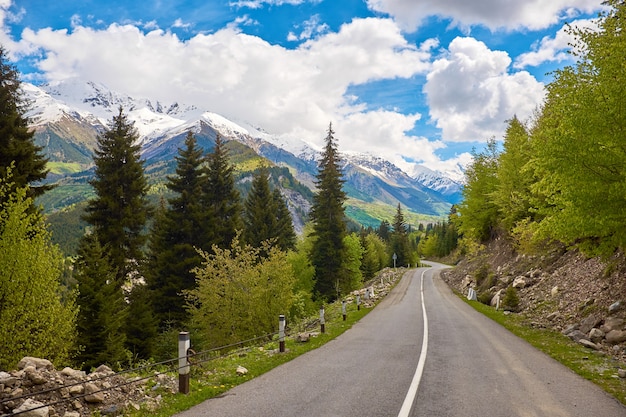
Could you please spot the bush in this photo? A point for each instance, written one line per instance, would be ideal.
(511, 299)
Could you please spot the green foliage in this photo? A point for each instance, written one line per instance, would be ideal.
(120, 210)
(20, 158)
(240, 294)
(266, 216)
(351, 264)
(511, 299)
(304, 274)
(329, 227)
(579, 142)
(37, 315)
(374, 255)
(103, 311)
(399, 241)
(177, 231)
(512, 194)
(221, 200)
(478, 212)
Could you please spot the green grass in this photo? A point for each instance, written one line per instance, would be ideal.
(64, 167)
(217, 376)
(591, 365)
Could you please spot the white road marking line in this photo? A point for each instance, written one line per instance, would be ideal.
(410, 395)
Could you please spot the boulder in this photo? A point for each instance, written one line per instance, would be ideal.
(615, 307)
(34, 375)
(38, 363)
(241, 370)
(73, 373)
(576, 335)
(93, 393)
(596, 335)
(519, 282)
(32, 408)
(589, 323)
(589, 344)
(615, 337)
(612, 323)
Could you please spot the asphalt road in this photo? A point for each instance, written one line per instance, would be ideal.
(418, 356)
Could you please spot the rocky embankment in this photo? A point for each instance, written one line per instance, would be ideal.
(37, 389)
(584, 298)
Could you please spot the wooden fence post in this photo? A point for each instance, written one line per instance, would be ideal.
(281, 333)
(358, 302)
(183, 363)
(343, 309)
(322, 321)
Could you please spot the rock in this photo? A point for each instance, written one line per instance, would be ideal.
(7, 379)
(589, 323)
(615, 307)
(303, 337)
(241, 370)
(554, 291)
(34, 376)
(71, 414)
(615, 337)
(570, 329)
(92, 394)
(104, 370)
(596, 335)
(519, 282)
(77, 390)
(612, 323)
(32, 408)
(589, 344)
(621, 373)
(553, 316)
(36, 362)
(111, 410)
(576, 335)
(73, 373)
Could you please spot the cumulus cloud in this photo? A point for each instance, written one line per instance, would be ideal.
(287, 91)
(494, 14)
(553, 49)
(471, 92)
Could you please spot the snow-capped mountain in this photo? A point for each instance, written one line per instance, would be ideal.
(68, 116)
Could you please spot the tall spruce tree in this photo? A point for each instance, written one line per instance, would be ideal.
(17, 142)
(221, 200)
(179, 229)
(103, 311)
(329, 227)
(120, 209)
(266, 215)
(284, 223)
(400, 239)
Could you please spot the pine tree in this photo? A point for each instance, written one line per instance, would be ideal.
(103, 311)
(266, 216)
(259, 215)
(178, 230)
(284, 224)
(400, 239)
(17, 143)
(120, 209)
(221, 200)
(329, 227)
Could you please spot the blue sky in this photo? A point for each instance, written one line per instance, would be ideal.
(414, 81)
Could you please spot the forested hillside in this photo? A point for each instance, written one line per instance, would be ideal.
(561, 176)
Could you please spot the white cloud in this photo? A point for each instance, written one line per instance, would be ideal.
(310, 28)
(494, 14)
(287, 91)
(471, 93)
(553, 49)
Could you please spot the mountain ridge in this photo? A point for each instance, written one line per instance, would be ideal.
(68, 117)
